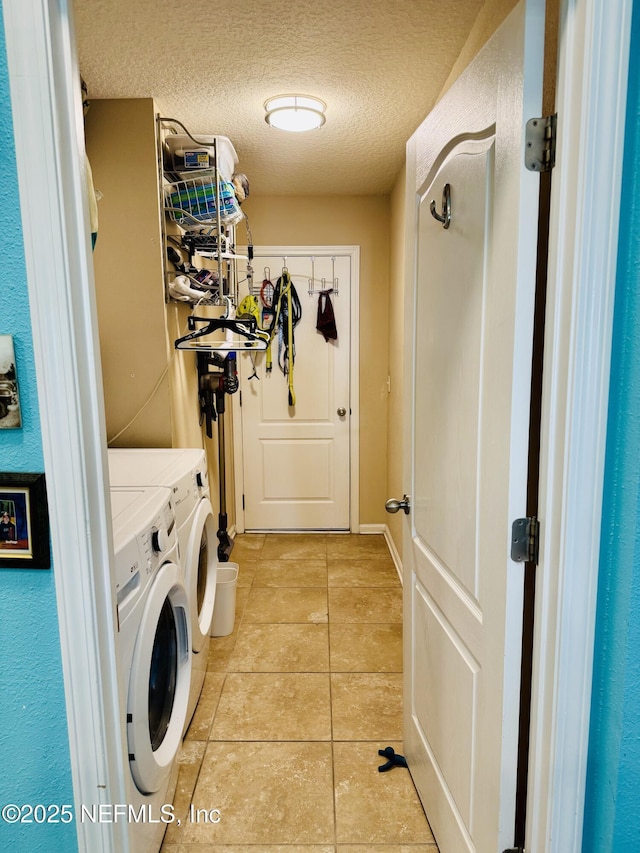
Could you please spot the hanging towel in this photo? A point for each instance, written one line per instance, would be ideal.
(326, 322)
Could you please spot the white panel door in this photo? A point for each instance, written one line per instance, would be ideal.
(469, 345)
(296, 458)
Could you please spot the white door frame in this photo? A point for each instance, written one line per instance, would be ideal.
(47, 115)
(43, 76)
(281, 252)
(585, 207)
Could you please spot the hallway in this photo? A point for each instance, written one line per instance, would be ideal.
(297, 702)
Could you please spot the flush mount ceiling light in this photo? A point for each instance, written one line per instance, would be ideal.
(295, 112)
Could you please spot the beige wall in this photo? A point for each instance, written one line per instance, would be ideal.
(362, 221)
(137, 329)
(490, 16)
(120, 138)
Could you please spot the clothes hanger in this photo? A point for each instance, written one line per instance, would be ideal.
(249, 336)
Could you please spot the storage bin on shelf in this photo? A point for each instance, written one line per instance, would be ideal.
(185, 156)
(194, 200)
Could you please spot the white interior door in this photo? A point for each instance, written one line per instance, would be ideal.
(469, 343)
(296, 459)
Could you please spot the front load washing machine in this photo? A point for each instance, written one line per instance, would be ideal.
(184, 471)
(154, 656)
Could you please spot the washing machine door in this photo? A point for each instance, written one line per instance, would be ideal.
(201, 570)
(159, 681)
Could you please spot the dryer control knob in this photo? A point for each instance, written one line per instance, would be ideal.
(159, 540)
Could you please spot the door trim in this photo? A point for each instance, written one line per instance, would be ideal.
(585, 209)
(48, 127)
(596, 49)
(354, 383)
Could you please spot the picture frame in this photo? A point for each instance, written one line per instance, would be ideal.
(24, 521)
(10, 416)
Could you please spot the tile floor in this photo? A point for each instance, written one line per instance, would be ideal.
(296, 703)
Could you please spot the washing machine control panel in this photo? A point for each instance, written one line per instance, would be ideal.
(145, 532)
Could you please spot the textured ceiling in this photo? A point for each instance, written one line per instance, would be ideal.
(379, 66)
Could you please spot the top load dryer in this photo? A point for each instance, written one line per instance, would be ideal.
(184, 471)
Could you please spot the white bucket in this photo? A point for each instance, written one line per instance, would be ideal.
(224, 609)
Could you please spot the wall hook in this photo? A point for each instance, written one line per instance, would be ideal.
(445, 216)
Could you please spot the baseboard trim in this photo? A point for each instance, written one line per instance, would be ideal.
(384, 529)
(395, 556)
(372, 528)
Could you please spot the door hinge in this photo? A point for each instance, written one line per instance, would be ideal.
(243, 502)
(240, 397)
(525, 540)
(540, 143)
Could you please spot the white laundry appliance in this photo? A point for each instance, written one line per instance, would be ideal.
(153, 648)
(184, 471)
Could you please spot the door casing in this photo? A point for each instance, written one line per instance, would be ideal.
(281, 252)
(594, 47)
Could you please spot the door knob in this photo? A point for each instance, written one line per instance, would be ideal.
(342, 411)
(393, 505)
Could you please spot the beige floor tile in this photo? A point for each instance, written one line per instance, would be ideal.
(382, 848)
(274, 706)
(366, 706)
(268, 687)
(267, 793)
(365, 605)
(291, 573)
(373, 807)
(356, 546)
(246, 570)
(247, 545)
(281, 648)
(250, 848)
(190, 761)
(365, 647)
(267, 605)
(220, 649)
(294, 546)
(192, 752)
(206, 707)
(368, 571)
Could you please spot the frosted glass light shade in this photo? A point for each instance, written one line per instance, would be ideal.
(295, 113)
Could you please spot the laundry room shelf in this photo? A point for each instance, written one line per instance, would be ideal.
(201, 212)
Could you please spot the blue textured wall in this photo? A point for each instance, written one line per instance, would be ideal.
(34, 748)
(612, 813)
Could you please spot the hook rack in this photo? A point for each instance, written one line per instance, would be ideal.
(324, 286)
(315, 284)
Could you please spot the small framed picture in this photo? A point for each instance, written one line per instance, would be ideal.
(24, 522)
(9, 400)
